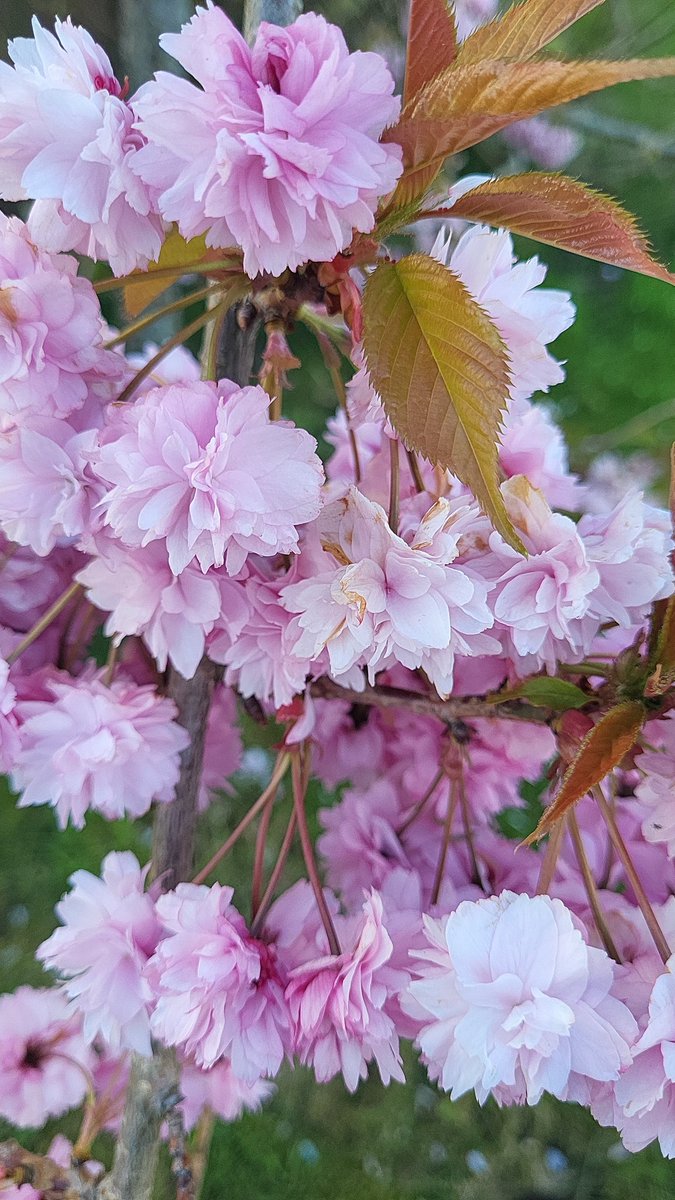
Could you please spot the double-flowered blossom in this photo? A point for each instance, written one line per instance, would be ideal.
(220, 992)
(645, 1094)
(656, 787)
(378, 600)
(515, 1002)
(50, 330)
(277, 150)
(68, 141)
(109, 929)
(9, 731)
(87, 746)
(44, 1058)
(338, 1003)
(203, 469)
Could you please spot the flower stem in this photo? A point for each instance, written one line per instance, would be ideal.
(259, 857)
(394, 484)
(261, 911)
(176, 306)
(168, 273)
(550, 859)
(447, 826)
(267, 797)
(45, 621)
(591, 889)
(415, 812)
(415, 471)
(177, 340)
(299, 775)
(632, 875)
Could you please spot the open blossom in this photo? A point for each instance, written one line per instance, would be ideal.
(378, 600)
(46, 486)
(219, 990)
(43, 1056)
(173, 613)
(87, 746)
(222, 745)
(50, 329)
(109, 930)
(516, 1003)
(9, 732)
(221, 1091)
(538, 601)
(645, 1094)
(203, 469)
(527, 315)
(656, 789)
(277, 151)
(532, 445)
(338, 1003)
(68, 141)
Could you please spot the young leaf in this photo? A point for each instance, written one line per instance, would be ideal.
(602, 749)
(563, 213)
(175, 252)
(558, 694)
(441, 369)
(432, 44)
(523, 30)
(466, 104)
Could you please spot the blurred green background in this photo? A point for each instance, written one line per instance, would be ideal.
(411, 1143)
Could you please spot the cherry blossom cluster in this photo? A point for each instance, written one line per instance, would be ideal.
(170, 517)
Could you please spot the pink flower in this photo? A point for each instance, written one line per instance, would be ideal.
(516, 1003)
(279, 152)
(533, 445)
(220, 1091)
(360, 843)
(174, 614)
(219, 990)
(109, 931)
(258, 662)
(205, 470)
(630, 547)
(545, 144)
(43, 1058)
(470, 14)
(50, 329)
(67, 140)
(378, 600)
(113, 749)
(527, 316)
(9, 731)
(222, 747)
(46, 487)
(657, 782)
(337, 1003)
(645, 1094)
(539, 601)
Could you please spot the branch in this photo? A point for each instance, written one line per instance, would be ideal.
(462, 708)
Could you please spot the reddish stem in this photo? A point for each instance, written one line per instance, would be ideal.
(421, 804)
(267, 797)
(259, 858)
(550, 859)
(261, 911)
(447, 825)
(299, 776)
(591, 889)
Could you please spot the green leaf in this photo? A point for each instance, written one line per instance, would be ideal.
(558, 694)
(441, 368)
(601, 750)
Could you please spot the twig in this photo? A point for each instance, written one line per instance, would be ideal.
(416, 702)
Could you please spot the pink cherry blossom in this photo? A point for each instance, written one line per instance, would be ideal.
(516, 1003)
(337, 1003)
(67, 141)
(378, 601)
(203, 469)
(221, 1091)
(219, 991)
(109, 930)
(630, 547)
(657, 782)
(527, 315)
(46, 486)
(43, 1057)
(533, 445)
(222, 746)
(50, 329)
(87, 746)
(546, 144)
(277, 151)
(360, 843)
(645, 1094)
(9, 731)
(173, 613)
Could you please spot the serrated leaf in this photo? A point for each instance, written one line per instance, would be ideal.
(565, 213)
(441, 369)
(523, 30)
(602, 749)
(466, 104)
(432, 44)
(176, 252)
(558, 694)
(664, 653)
